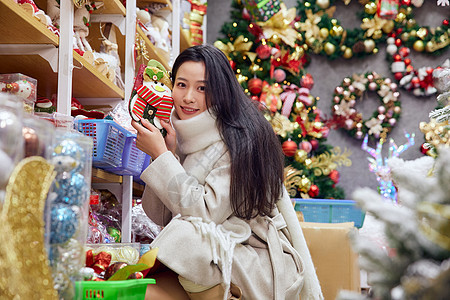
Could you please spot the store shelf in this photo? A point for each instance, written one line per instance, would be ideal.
(19, 27)
(88, 82)
(102, 176)
(152, 51)
(113, 7)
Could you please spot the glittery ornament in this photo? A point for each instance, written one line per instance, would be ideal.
(63, 223)
(263, 51)
(71, 188)
(68, 156)
(307, 81)
(279, 75)
(255, 86)
(289, 148)
(313, 191)
(22, 253)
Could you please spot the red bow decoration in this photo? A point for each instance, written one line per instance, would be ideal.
(287, 62)
(98, 262)
(256, 31)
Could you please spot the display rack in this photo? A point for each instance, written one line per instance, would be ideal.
(27, 46)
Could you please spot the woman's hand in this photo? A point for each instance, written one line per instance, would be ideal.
(171, 136)
(149, 139)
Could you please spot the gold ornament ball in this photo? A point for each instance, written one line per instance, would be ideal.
(310, 41)
(430, 46)
(369, 45)
(410, 23)
(336, 30)
(375, 50)
(329, 48)
(299, 107)
(323, 4)
(305, 47)
(404, 36)
(419, 46)
(370, 8)
(348, 53)
(388, 27)
(377, 34)
(305, 185)
(413, 32)
(324, 32)
(301, 155)
(334, 21)
(400, 18)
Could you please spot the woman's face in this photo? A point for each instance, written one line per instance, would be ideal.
(189, 90)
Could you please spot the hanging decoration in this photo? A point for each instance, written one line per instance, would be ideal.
(352, 89)
(380, 166)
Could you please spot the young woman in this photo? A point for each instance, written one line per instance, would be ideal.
(217, 186)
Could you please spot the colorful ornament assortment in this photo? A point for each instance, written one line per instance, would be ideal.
(346, 116)
(380, 166)
(324, 34)
(67, 204)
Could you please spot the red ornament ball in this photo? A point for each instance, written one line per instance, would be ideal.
(398, 75)
(289, 148)
(313, 191)
(307, 81)
(314, 144)
(233, 64)
(407, 61)
(398, 42)
(263, 51)
(255, 98)
(445, 22)
(255, 86)
(305, 145)
(397, 57)
(334, 176)
(279, 75)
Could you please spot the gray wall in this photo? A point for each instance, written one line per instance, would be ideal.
(329, 74)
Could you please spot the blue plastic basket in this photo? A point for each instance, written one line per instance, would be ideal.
(146, 163)
(132, 159)
(330, 211)
(109, 141)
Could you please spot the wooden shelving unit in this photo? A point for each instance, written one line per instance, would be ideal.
(112, 7)
(88, 82)
(19, 27)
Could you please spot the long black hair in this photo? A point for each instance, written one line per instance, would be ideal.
(256, 157)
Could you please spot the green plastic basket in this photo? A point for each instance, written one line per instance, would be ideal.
(111, 290)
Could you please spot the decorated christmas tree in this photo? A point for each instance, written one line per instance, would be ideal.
(268, 54)
(417, 264)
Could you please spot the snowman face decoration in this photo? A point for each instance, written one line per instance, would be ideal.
(153, 100)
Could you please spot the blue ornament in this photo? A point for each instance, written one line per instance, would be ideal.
(71, 188)
(68, 156)
(63, 223)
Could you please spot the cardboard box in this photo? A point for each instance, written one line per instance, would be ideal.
(335, 262)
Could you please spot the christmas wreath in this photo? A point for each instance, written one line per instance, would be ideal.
(324, 34)
(407, 35)
(345, 115)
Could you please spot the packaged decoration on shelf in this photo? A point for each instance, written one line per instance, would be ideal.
(67, 209)
(11, 140)
(198, 11)
(38, 137)
(58, 120)
(262, 10)
(21, 86)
